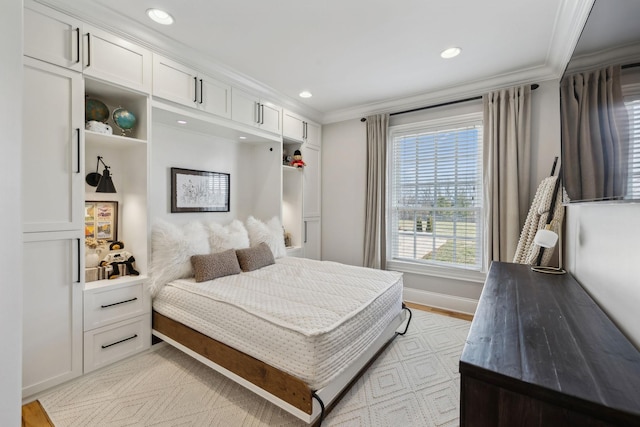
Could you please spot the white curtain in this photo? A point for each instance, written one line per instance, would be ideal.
(506, 152)
(375, 231)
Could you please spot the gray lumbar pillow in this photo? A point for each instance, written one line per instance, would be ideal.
(212, 266)
(255, 257)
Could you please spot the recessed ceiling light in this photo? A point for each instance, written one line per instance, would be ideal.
(182, 122)
(452, 52)
(305, 94)
(242, 137)
(160, 16)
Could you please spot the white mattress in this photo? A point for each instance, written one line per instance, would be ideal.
(308, 318)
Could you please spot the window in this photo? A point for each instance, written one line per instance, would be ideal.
(435, 193)
(632, 102)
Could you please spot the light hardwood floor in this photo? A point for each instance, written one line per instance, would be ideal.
(33, 414)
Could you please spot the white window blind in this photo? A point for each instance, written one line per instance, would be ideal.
(633, 108)
(435, 193)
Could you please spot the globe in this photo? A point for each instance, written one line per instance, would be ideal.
(124, 119)
(95, 110)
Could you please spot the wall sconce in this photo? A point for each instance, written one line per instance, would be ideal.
(103, 182)
(547, 238)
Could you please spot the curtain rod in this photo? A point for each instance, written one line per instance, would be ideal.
(637, 64)
(444, 104)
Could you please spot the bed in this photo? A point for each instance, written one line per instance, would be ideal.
(297, 332)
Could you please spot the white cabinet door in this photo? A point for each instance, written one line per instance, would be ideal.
(174, 82)
(244, 107)
(313, 134)
(311, 187)
(250, 110)
(52, 157)
(116, 60)
(215, 96)
(312, 238)
(52, 37)
(292, 126)
(52, 310)
(270, 117)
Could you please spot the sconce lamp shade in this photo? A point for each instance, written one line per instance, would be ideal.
(106, 183)
(103, 182)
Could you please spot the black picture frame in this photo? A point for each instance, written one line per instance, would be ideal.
(199, 191)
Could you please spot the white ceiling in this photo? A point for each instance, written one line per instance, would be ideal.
(357, 55)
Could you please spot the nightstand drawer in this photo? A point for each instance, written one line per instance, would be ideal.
(114, 342)
(113, 304)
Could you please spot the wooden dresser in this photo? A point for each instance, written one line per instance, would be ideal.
(540, 352)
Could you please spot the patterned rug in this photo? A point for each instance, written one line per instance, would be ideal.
(415, 382)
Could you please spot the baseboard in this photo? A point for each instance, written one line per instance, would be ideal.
(442, 301)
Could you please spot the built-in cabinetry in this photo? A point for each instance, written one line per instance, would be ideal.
(256, 112)
(186, 86)
(66, 61)
(301, 192)
(117, 321)
(115, 60)
(52, 177)
(72, 325)
(52, 37)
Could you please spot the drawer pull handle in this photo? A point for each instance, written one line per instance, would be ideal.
(117, 303)
(121, 341)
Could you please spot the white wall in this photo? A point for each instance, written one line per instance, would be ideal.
(603, 253)
(343, 196)
(181, 148)
(11, 224)
(255, 182)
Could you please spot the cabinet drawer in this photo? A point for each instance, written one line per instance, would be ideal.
(102, 307)
(114, 342)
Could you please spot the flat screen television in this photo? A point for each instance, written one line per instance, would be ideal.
(600, 107)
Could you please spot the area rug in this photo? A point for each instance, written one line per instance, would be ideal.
(414, 382)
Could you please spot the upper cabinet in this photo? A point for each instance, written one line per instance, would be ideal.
(52, 37)
(183, 85)
(297, 128)
(115, 60)
(251, 110)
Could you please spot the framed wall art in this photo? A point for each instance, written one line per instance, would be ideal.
(101, 220)
(199, 191)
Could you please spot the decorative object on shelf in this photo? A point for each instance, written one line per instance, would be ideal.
(95, 110)
(98, 127)
(124, 119)
(297, 160)
(120, 260)
(199, 191)
(103, 182)
(100, 222)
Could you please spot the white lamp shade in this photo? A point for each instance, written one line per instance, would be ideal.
(546, 238)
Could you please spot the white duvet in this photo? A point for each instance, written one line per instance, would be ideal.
(308, 318)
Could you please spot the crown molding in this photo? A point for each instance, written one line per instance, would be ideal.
(570, 20)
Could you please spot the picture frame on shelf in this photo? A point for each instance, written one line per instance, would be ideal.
(101, 220)
(199, 191)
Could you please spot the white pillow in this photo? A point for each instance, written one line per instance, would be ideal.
(172, 247)
(231, 236)
(270, 233)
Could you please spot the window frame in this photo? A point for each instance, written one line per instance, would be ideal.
(425, 268)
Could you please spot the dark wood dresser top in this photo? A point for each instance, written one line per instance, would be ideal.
(542, 335)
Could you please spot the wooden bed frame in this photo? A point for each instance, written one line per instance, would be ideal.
(280, 388)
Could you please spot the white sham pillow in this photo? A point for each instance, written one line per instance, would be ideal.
(270, 233)
(231, 236)
(172, 247)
